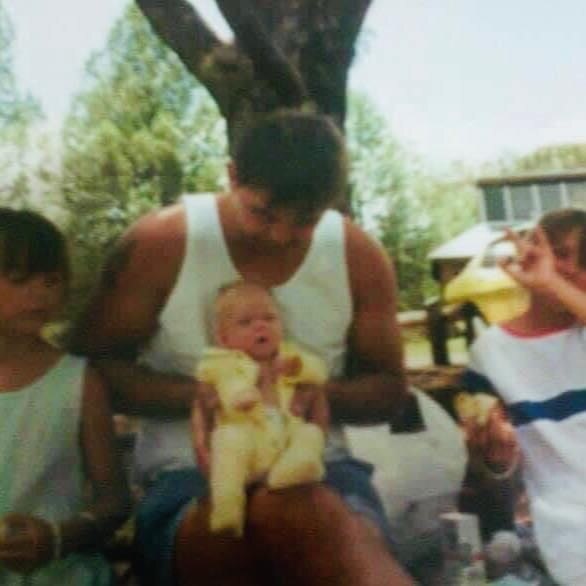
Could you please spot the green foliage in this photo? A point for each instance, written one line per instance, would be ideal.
(451, 201)
(381, 195)
(409, 210)
(378, 168)
(17, 113)
(553, 158)
(141, 132)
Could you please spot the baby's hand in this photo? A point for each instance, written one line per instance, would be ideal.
(247, 401)
(26, 543)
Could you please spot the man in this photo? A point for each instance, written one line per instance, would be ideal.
(335, 288)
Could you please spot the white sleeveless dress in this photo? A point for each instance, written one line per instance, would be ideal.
(41, 470)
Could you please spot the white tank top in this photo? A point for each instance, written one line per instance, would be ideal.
(315, 305)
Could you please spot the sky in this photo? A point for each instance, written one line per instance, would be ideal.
(457, 80)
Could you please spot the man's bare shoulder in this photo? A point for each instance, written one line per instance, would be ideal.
(159, 226)
(152, 248)
(161, 232)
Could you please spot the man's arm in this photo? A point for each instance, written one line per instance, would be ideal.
(123, 314)
(375, 390)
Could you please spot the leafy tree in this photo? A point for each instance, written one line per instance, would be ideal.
(553, 158)
(451, 200)
(141, 132)
(285, 54)
(378, 165)
(382, 195)
(409, 210)
(17, 113)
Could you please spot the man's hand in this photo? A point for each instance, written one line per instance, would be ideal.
(26, 543)
(310, 403)
(203, 411)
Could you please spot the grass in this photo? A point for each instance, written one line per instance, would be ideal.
(418, 350)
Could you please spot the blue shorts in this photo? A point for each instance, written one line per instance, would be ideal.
(162, 510)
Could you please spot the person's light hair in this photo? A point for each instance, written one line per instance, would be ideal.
(233, 292)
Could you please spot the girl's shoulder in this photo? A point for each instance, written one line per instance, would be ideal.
(33, 369)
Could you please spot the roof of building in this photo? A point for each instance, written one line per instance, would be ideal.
(475, 239)
(468, 243)
(528, 178)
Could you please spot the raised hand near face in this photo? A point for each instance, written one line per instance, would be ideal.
(534, 264)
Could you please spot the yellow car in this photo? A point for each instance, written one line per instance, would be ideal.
(496, 295)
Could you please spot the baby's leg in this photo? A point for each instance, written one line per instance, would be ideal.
(232, 452)
(302, 460)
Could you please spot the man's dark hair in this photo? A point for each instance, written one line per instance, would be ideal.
(558, 223)
(31, 244)
(298, 158)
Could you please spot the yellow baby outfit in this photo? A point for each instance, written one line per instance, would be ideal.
(257, 442)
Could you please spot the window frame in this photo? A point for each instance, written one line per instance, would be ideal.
(535, 194)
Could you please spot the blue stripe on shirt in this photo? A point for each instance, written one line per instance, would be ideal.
(558, 408)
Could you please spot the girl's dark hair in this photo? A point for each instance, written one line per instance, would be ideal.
(558, 223)
(298, 158)
(31, 244)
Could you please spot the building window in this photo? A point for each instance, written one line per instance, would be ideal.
(550, 197)
(577, 194)
(494, 201)
(522, 202)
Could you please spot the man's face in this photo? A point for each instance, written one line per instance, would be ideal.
(277, 225)
(249, 322)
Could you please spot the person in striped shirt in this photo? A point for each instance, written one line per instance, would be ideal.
(536, 364)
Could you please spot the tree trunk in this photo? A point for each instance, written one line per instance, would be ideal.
(285, 53)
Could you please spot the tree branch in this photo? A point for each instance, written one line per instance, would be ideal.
(333, 27)
(351, 14)
(270, 63)
(180, 26)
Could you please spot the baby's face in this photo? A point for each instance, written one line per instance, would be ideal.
(251, 323)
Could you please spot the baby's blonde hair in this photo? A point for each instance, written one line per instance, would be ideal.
(231, 292)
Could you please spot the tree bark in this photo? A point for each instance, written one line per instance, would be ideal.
(285, 53)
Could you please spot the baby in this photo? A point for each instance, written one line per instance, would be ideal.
(256, 438)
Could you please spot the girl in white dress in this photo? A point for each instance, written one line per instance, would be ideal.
(62, 492)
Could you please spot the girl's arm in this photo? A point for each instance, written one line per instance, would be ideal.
(28, 543)
(571, 296)
(110, 502)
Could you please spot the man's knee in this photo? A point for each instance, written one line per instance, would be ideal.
(306, 512)
(201, 553)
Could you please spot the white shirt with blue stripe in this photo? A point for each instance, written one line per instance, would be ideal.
(542, 381)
